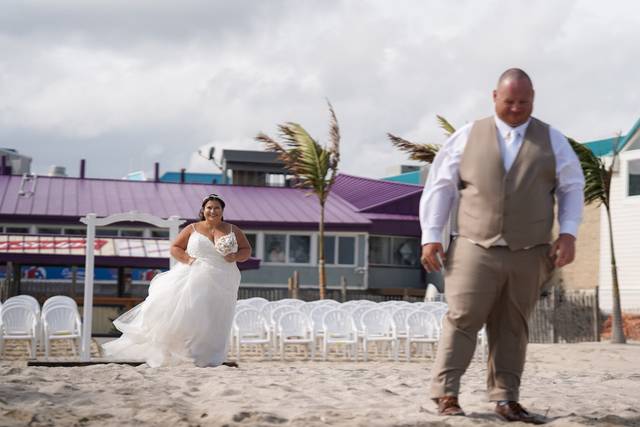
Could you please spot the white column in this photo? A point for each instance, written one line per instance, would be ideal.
(87, 318)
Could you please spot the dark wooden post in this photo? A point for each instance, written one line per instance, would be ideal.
(343, 288)
(596, 315)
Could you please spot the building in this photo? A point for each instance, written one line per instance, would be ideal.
(625, 210)
(372, 229)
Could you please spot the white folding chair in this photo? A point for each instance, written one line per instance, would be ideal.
(338, 329)
(59, 300)
(61, 322)
(421, 329)
(257, 302)
(251, 329)
(294, 327)
(19, 322)
(377, 326)
(297, 303)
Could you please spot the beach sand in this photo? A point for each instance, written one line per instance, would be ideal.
(573, 384)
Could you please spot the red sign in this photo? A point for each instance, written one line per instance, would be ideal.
(47, 244)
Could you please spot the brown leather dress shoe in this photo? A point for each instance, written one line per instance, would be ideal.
(448, 405)
(513, 411)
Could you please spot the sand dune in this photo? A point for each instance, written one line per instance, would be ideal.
(574, 384)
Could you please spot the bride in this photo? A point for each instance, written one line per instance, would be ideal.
(187, 316)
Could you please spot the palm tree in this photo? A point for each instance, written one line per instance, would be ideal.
(313, 166)
(597, 190)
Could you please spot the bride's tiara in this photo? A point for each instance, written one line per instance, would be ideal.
(213, 196)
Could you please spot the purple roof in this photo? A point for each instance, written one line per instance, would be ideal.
(352, 200)
(374, 195)
(73, 197)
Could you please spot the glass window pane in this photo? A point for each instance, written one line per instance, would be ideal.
(634, 177)
(106, 232)
(160, 234)
(252, 241)
(75, 231)
(406, 251)
(49, 230)
(274, 246)
(19, 230)
(300, 249)
(329, 249)
(346, 250)
(131, 233)
(379, 250)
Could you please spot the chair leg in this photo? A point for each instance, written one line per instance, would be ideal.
(407, 349)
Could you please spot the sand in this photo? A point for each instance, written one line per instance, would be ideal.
(573, 384)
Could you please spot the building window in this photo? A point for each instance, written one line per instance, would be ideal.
(107, 232)
(131, 233)
(49, 230)
(274, 247)
(329, 250)
(253, 241)
(400, 251)
(299, 249)
(160, 234)
(344, 247)
(18, 230)
(634, 177)
(75, 231)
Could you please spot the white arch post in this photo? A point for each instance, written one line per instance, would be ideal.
(92, 221)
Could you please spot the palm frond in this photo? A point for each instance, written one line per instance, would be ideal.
(446, 126)
(420, 152)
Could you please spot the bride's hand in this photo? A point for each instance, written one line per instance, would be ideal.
(230, 257)
(191, 260)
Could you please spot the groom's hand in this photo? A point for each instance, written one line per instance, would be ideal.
(432, 257)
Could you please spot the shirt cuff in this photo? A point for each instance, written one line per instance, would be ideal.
(570, 227)
(432, 235)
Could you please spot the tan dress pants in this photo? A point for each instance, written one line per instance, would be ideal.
(497, 287)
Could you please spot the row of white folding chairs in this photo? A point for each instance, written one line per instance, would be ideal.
(288, 325)
(357, 308)
(21, 318)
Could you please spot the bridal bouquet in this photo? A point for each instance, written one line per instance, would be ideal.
(227, 244)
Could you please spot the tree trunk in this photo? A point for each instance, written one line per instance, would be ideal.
(322, 284)
(617, 331)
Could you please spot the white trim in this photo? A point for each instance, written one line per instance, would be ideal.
(625, 158)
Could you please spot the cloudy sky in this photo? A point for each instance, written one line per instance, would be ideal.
(124, 84)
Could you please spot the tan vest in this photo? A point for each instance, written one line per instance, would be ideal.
(518, 205)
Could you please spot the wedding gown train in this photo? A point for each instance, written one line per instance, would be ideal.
(188, 314)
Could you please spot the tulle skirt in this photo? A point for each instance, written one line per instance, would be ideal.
(185, 319)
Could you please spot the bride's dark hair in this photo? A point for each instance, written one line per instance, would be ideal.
(214, 197)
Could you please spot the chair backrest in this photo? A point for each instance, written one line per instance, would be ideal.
(358, 312)
(294, 324)
(257, 302)
(377, 321)
(292, 302)
(317, 314)
(279, 311)
(307, 308)
(249, 321)
(28, 299)
(421, 323)
(267, 309)
(338, 322)
(330, 303)
(59, 300)
(59, 319)
(18, 318)
(400, 319)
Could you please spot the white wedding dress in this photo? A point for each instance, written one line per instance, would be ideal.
(188, 314)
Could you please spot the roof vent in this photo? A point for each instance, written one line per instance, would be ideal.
(57, 171)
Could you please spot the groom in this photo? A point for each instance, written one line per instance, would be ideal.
(507, 170)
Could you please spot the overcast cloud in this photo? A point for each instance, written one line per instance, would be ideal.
(127, 83)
